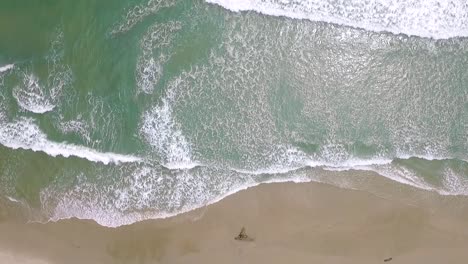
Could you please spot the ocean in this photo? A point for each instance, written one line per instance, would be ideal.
(124, 110)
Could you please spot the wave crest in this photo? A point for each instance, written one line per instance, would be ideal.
(431, 19)
(162, 131)
(24, 134)
(6, 67)
(41, 96)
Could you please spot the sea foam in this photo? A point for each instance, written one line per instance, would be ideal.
(41, 95)
(142, 192)
(25, 134)
(139, 12)
(31, 97)
(150, 63)
(436, 19)
(139, 193)
(162, 132)
(6, 67)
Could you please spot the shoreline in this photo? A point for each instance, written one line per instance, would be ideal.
(295, 222)
(363, 180)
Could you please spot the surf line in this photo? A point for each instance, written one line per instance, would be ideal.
(25, 134)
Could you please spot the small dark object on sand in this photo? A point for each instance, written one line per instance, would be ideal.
(387, 260)
(243, 236)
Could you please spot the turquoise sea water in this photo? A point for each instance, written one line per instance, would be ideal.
(119, 111)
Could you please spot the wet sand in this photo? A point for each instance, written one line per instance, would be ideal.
(288, 222)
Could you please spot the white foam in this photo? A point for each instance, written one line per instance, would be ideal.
(136, 189)
(163, 133)
(381, 165)
(181, 165)
(6, 67)
(136, 14)
(283, 159)
(428, 156)
(41, 96)
(145, 194)
(31, 96)
(12, 199)
(105, 212)
(109, 216)
(351, 164)
(332, 157)
(269, 170)
(150, 62)
(356, 164)
(139, 193)
(24, 134)
(75, 126)
(436, 19)
(401, 175)
(454, 183)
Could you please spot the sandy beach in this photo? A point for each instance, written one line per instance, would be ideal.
(284, 222)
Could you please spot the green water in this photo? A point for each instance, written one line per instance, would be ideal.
(119, 111)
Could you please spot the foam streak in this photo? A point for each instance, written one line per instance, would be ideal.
(24, 134)
(6, 67)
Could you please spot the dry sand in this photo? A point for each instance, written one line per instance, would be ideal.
(290, 223)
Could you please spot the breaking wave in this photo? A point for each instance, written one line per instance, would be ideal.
(41, 96)
(137, 13)
(164, 134)
(149, 67)
(438, 19)
(25, 134)
(6, 67)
